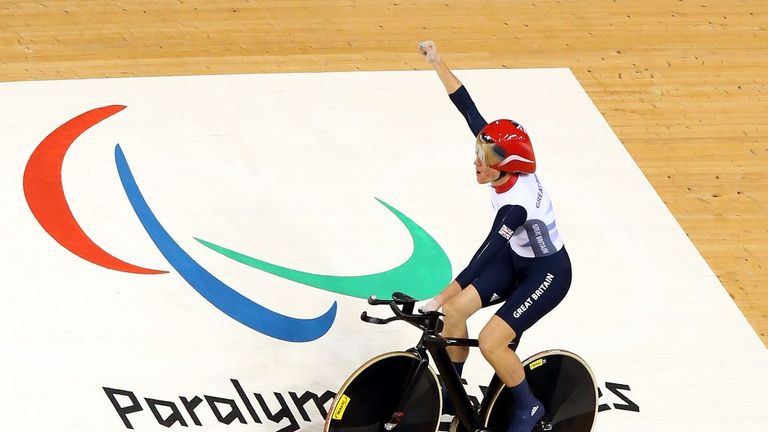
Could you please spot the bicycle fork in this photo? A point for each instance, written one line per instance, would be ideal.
(413, 374)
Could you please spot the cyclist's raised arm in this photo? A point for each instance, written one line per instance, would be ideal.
(467, 108)
(429, 50)
(456, 90)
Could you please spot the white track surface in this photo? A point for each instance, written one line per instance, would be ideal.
(285, 168)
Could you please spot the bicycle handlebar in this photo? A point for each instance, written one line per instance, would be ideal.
(425, 321)
(373, 320)
(428, 322)
(372, 300)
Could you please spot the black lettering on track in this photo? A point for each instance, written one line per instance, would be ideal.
(233, 414)
(319, 402)
(174, 416)
(278, 416)
(628, 405)
(602, 407)
(190, 405)
(123, 411)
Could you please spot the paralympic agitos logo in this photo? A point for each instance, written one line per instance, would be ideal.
(425, 272)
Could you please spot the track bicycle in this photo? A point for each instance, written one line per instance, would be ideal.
(399, 391)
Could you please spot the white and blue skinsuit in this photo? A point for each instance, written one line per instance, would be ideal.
(522, 262)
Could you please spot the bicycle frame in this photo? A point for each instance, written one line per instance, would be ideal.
(564, 381)
(451, 379)
(435, 344)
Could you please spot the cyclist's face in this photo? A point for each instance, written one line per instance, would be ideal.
(484, 173)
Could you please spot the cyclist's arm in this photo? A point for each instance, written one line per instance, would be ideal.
(436, 303)
(508, 219)
(467, 108)
(456, 90)
(449, 80)
(429, 50)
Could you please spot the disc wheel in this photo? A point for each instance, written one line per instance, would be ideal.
(371, 396)
(564, 384)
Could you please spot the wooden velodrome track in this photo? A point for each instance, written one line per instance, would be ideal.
(684, 84)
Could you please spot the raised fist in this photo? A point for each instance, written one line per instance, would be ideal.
(429, 50)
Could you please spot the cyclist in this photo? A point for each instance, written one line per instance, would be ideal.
(521, 263)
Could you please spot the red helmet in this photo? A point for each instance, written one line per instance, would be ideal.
(503, 145)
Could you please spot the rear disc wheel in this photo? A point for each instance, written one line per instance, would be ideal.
(564, 384)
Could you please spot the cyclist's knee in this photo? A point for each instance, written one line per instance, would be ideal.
(495, 338)
(489, 345)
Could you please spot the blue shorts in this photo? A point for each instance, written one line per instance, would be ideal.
(528, 287)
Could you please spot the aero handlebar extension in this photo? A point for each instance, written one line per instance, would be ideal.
(425, 321)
